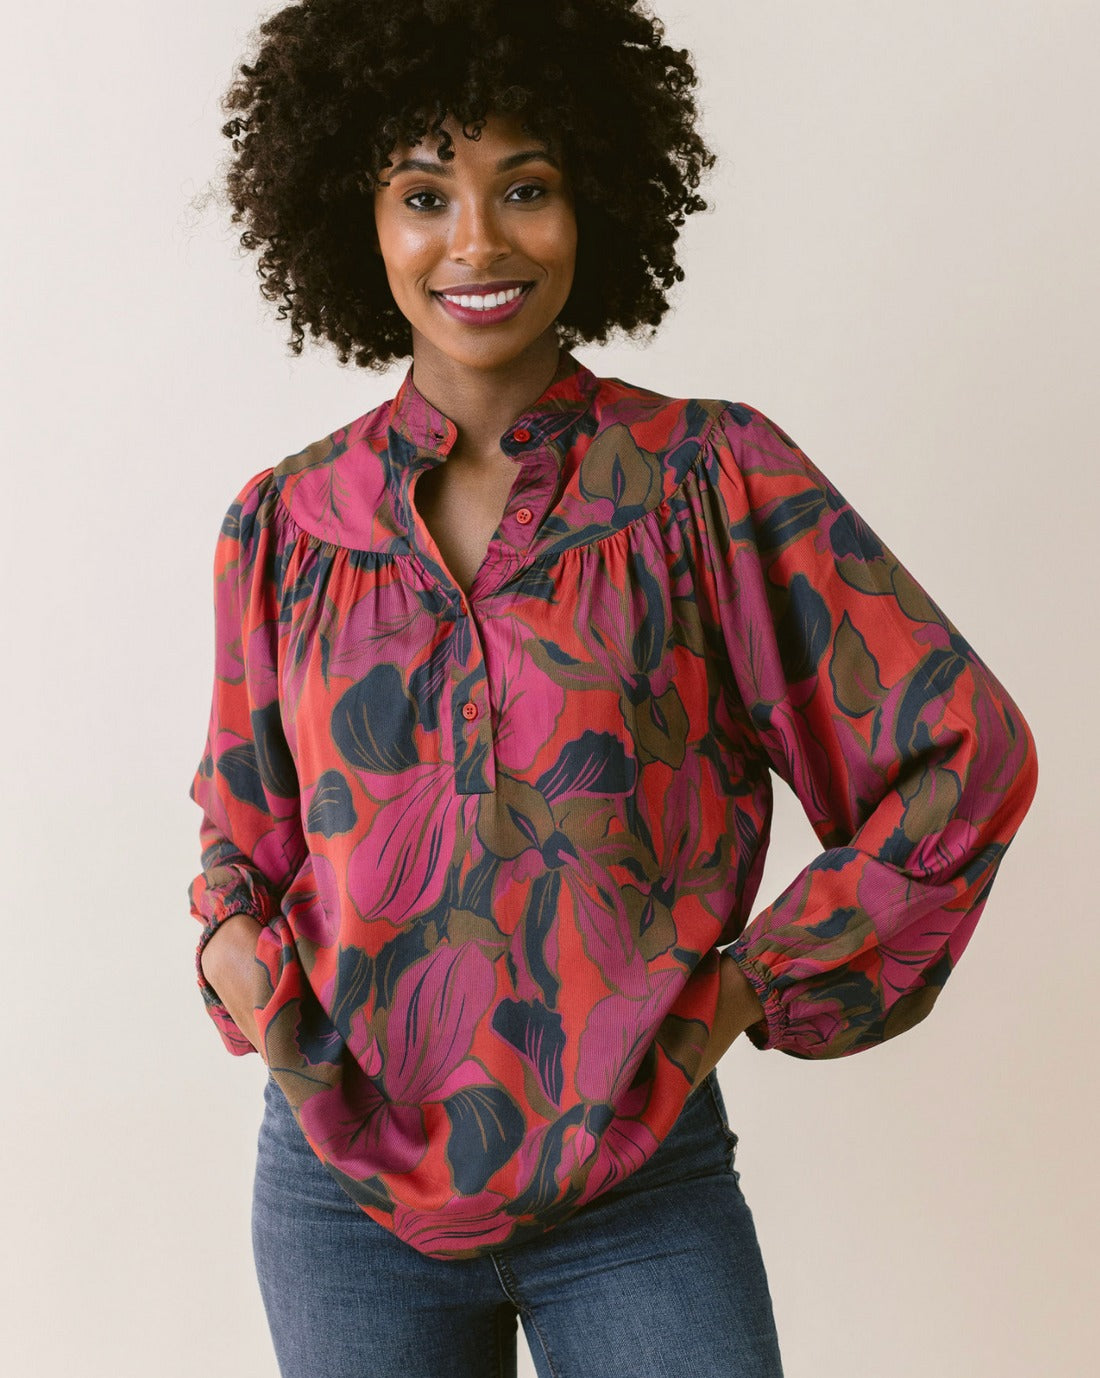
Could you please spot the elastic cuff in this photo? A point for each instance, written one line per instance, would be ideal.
(770, 1031)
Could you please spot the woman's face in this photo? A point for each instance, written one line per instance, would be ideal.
(493, 226)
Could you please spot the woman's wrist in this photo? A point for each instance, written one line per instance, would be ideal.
(225, 945)
(740, 1001)
(738, 1006)
(228, 966)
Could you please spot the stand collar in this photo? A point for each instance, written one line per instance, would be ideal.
(413, 419)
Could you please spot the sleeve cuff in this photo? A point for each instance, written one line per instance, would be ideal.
(770, 1031)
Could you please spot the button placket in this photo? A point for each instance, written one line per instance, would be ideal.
(530, 498)
(471, 724)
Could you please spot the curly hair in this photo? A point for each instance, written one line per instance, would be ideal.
(336, 85)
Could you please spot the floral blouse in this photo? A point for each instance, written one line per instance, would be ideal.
(497, 841)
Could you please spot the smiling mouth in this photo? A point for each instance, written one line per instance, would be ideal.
(504, 295)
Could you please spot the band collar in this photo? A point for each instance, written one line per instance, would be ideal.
(419, 424)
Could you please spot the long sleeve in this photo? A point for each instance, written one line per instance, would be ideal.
(250, 835)
(913, 764)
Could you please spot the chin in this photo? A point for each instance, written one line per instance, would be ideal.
(489, 353)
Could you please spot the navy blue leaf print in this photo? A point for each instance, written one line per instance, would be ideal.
(537, 1033)
(471, 765)
(649, 640)
(742, 416)
(355, 977)
(426, 684)
(834, 924)
(373, 723)
(929, 683)
(477, 889)
(331, 810)
(321, 1043)
(273, 758)
(786, 521)
(241, 771)
(543, 1188)
(486, 1128)
(557, 849)
(804, 629)
(527, 816)
(534, 581)
(558, 656)
(595, 763)
(307, 581)
(834, 860)
(539, 918)
(850, 535)
(399, 954)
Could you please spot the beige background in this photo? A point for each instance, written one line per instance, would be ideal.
(901, 270)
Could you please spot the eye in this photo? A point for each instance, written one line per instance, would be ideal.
(527, 192)
(418, 196)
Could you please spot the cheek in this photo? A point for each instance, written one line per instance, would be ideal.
(405, 252)
(554, 243)
(566, 238)
(565, 248)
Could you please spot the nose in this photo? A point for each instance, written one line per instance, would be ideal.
(477, 236)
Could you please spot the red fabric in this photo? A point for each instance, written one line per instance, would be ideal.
(496, 841)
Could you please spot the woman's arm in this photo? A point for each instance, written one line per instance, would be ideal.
(738, 1007)
(912, 762)
(246, 784)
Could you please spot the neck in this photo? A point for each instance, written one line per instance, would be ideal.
(483, 403)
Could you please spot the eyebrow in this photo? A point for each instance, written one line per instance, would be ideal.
(438, 167)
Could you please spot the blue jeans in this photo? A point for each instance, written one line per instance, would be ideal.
(660, 1277)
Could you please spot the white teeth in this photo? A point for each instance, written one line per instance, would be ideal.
(487, 303)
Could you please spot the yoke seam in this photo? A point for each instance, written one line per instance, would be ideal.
(665, 503)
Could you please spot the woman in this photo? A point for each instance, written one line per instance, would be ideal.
(502, 669)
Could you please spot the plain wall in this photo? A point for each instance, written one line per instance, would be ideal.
(901, 270)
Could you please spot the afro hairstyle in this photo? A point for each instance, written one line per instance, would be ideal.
(334, 86)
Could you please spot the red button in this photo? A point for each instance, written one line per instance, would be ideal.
(521, 436)
(469, 711)
(524, 515)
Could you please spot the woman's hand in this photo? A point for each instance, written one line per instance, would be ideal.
(738, 1007)
(228, 963)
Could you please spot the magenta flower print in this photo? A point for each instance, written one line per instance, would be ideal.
(474, 1223)
(400, 867)
(497, 837)
(360, 1132)
(365, 636)
(616, 1035)
(438, 1003)
(624, 1147)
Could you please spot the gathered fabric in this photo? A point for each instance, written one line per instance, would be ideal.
(498, 839)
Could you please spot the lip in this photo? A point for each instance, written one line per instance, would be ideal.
(481, 289)
(469, 316)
